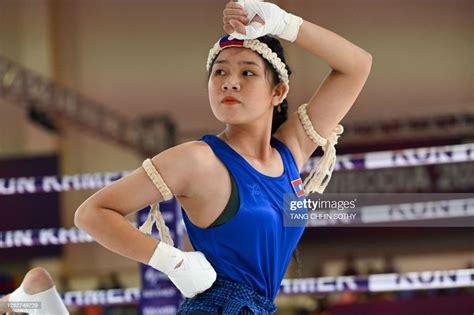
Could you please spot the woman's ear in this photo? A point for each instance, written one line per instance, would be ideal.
(278, 92)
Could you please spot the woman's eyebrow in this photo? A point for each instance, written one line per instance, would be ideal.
(246, 62)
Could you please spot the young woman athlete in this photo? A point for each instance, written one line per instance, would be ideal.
(232, 185)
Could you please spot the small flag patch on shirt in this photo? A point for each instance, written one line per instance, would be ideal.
(298, 187)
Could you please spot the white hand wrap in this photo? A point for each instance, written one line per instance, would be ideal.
(277, 21)
(50, 302)
(194, 275)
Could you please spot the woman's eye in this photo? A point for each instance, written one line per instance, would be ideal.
(248, 73)
(219, 72)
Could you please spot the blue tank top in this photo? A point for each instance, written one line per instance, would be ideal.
(254, 247)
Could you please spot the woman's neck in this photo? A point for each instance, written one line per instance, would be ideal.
(249, 142)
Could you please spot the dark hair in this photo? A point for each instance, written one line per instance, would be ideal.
(280, 112)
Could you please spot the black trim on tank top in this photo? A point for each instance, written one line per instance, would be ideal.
(232, 206)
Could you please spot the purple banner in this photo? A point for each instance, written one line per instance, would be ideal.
(159, 295)
(434, 305)
(324, 285)
(21, 212)
(47, 184)
(43, 237)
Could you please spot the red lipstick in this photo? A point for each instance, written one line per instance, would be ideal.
(229, 100)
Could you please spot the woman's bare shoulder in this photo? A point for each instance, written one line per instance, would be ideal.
(183, 165)
(189, 154)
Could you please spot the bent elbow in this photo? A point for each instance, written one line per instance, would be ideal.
(368, 63)
(365, 66)
(369, 56)
(82, 216)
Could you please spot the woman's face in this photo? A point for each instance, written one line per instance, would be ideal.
(240, 89)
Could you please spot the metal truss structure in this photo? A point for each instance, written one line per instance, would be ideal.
(26, 88)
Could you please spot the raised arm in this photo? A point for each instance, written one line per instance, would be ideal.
(315, 123)
(332, 100)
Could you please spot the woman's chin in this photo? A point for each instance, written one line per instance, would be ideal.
(229, 119)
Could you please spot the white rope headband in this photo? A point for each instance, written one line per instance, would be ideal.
(254, 44)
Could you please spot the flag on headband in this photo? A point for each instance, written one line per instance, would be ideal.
(230, 41)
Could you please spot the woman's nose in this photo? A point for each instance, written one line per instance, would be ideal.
(231, 84)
